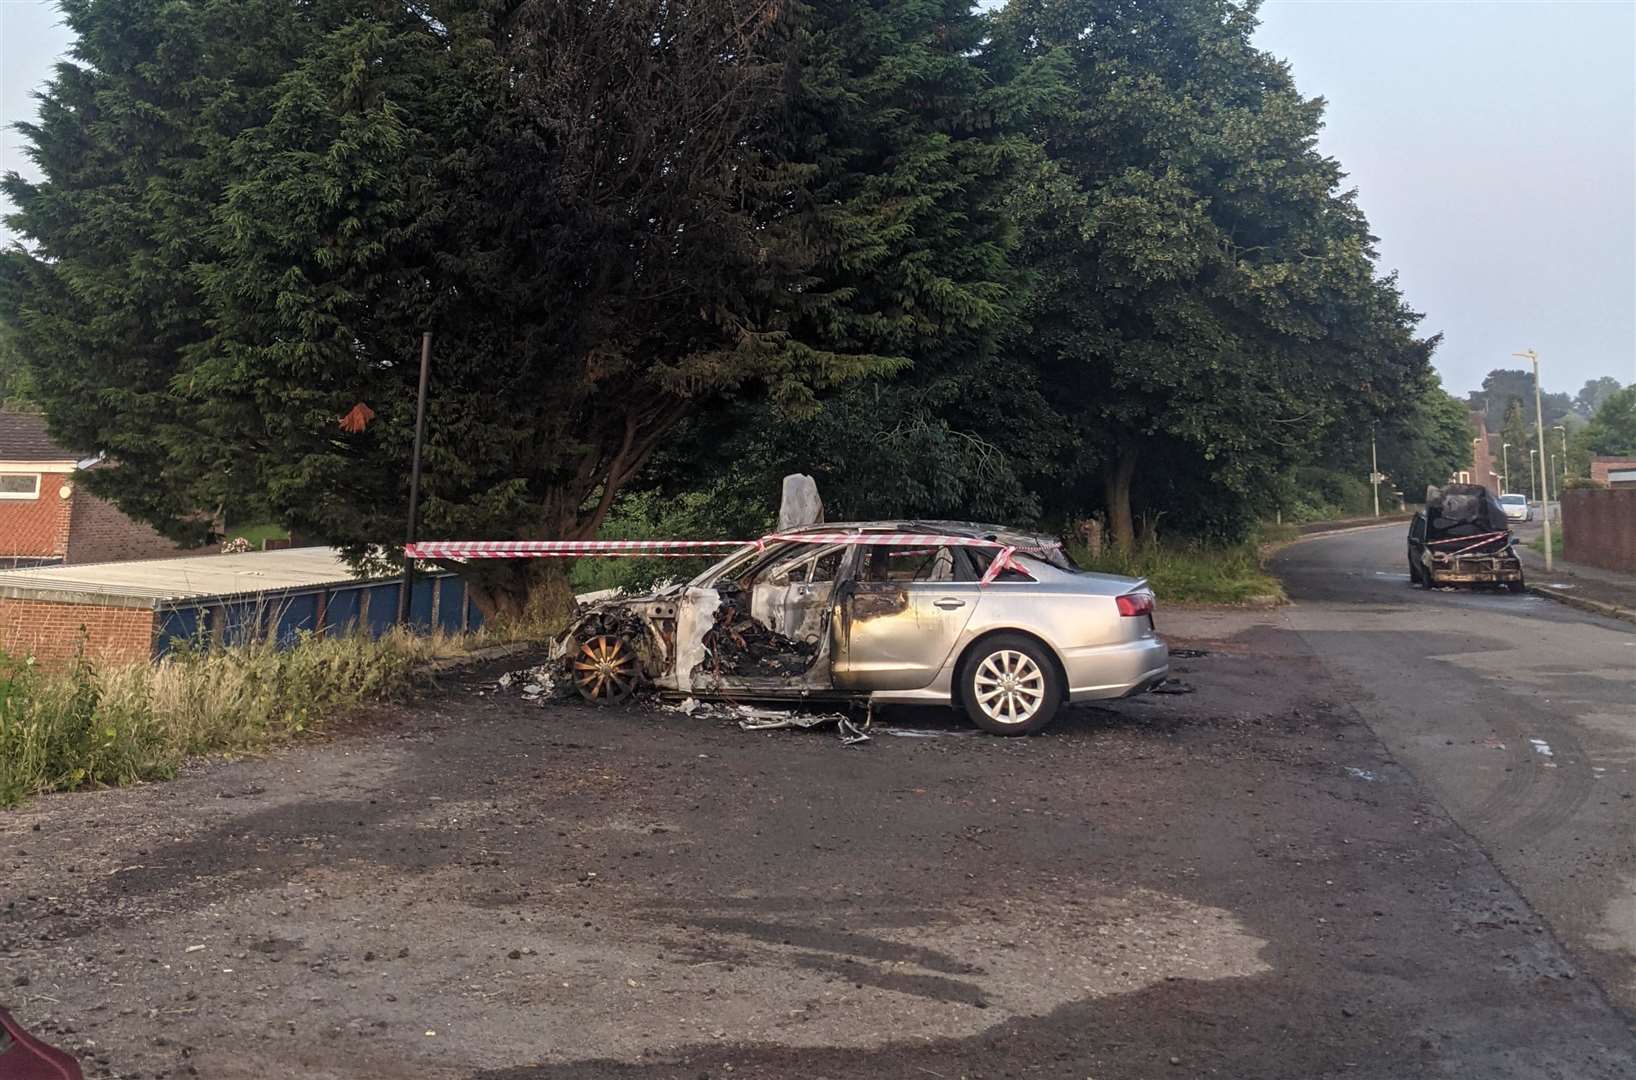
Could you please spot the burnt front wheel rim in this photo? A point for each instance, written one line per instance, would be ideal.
(605, 670)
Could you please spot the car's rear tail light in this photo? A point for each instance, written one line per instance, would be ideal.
(1136, 603)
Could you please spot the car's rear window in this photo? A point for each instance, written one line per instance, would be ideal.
(1514, 500)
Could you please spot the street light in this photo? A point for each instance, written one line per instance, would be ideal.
(1505, 466)
(1559, 429)
(1539, 426)
(1533, 491)
(1374, 470)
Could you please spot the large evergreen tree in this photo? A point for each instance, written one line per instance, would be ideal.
(251, 209)
(1208, 304)
(913, 150)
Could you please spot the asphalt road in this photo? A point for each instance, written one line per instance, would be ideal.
(1517, 713)
(1257, 880)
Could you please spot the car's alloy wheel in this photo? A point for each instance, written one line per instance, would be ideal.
(605, 670)
(1010, 687)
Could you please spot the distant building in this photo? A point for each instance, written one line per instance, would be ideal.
(1482, 469)
(47, 518)
(1614, 471)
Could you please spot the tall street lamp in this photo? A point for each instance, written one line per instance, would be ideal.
(1562, 431)
(1505, 466)
(1544, 459)
(1374, 470)
(1533, 491)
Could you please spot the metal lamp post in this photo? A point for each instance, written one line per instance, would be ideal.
(1533, 488)
(1562, 431)
(1505, 466)
(1544, 459)
(407, 589)
(1374, 470)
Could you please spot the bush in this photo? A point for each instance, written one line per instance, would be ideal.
(90, 726)
(1190, 572)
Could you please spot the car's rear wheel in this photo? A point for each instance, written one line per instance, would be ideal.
(1010, 686)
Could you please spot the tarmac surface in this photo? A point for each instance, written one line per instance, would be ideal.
(1314, 865)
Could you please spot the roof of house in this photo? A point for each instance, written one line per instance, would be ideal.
(147, 582)
(23, 437)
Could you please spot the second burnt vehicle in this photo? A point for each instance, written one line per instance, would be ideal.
(1463, 537)
(885, 612)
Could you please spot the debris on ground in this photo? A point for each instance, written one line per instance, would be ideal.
(1188, 654)
(1173, 686)
(763, 718)
(539, 685)
(741, 645)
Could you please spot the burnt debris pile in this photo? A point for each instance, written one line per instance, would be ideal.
(738, 644)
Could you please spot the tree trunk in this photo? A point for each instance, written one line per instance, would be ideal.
(1116, 480)
(532, 596)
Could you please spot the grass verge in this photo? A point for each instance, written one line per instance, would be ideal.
(1192, 573)
(1538, 542)
(90, 726)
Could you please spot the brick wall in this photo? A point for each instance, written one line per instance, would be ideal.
(36, 528)
(51, 631)
(1599, 528)
(99, 532)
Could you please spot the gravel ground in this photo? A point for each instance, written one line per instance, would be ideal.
(1237, 882)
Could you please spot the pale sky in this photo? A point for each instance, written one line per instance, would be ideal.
(1493, 145)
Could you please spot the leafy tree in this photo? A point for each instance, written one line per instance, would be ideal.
(16, 385)
(1426, 441)
(1612, 431)
(1208, 304)
(913, 150)
(1502, 386)
(251, 209)
(1595, 391)
(1518, 432)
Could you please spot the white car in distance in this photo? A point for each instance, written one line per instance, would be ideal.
(1517, 508)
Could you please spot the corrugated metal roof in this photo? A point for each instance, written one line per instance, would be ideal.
(188, 577)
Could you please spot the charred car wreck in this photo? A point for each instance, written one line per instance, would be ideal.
(1462, 538)
(994, 621)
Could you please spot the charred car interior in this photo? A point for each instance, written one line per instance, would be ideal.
(995, 621)
(1463, 537)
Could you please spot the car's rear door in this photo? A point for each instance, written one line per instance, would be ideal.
(901, 615)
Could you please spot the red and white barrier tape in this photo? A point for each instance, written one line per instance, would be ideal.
(1471, 542)
(567, 549)
(1005, 558)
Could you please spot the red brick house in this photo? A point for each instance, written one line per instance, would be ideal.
(45, 515)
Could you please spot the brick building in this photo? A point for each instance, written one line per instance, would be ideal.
(1483, 458)
(46, 516)
(1612, 471)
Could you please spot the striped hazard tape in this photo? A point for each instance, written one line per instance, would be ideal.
(1005, 557)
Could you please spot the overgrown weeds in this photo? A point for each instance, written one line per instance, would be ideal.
(90, 725)
(1190, 573)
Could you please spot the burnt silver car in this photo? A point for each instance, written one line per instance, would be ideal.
(997, 622)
